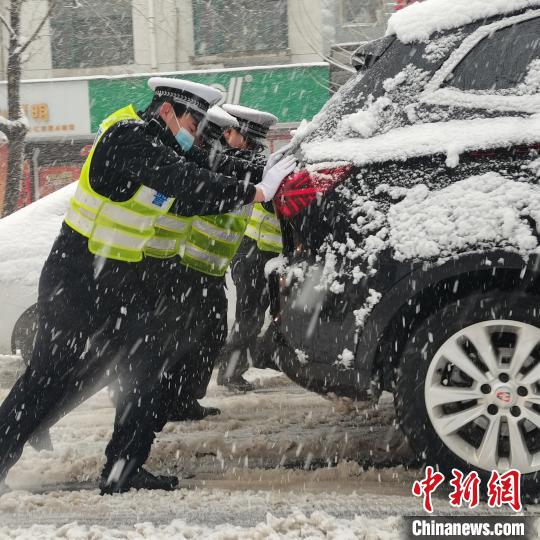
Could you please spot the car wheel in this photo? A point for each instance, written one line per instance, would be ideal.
(24, 334)
(467, 392)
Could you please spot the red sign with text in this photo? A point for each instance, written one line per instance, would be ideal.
(502, 489)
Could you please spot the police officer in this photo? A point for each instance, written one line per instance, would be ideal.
(194, 307)
(94, 324)
(212, 311)
(261, 243)
(191, 298)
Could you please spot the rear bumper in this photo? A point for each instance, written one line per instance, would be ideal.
(318, 377)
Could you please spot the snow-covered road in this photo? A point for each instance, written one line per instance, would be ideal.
(279, 461)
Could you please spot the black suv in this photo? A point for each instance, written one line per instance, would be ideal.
(411, 234)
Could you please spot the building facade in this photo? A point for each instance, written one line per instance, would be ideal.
(94, 56)
(104, 37)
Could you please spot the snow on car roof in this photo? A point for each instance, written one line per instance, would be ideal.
(418, 21)
(26, 237)
(451, 138)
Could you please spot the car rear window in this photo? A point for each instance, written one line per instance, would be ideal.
(500, 61)
(352, 96)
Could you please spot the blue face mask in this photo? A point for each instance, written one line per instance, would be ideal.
(185, 139)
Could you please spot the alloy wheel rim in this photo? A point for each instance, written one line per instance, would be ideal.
(482, 394)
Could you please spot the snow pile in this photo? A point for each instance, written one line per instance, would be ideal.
(234, 469)
(478, 213)
(278, 425)
(451, 138)
(26, 237)
(422, 19)
(296, 525)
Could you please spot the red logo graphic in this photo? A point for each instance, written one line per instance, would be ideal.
(501, 489)
(467, 489)
(505, 489)
(427, 486)
(504, 396)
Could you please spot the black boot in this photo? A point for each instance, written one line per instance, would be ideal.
(233, 363)
(237, 383)
(142, 479)
(190, 410)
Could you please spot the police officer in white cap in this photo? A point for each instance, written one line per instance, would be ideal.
(216, 122)
(93, 324)
(261, 243)
(190, 295)
(199, 322)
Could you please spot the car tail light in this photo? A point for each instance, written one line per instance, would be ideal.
(301, 188)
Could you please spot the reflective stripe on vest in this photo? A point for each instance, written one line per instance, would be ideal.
(214, 240)
(170, 234)
(163, 244)
(212, 231)
(265, 229)
(115, 230)
(128, 218)
(204, 261)
(87, 200)
(82, 224)
(173, 223)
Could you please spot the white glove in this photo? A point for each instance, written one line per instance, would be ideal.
(275, 175)
(275, 157)
(272, 160)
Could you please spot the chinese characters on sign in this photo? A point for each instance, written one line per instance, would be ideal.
(39, 113)
(501, 489)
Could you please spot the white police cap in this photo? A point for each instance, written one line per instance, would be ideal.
(252, 122)
(220, 118)
(192, 94)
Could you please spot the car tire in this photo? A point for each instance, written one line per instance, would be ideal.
(455, 410)
(24, 334)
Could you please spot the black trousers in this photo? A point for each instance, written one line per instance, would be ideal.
(152, 334)
(82, 318)
(252, 301)
(193, 311)
(183, 326)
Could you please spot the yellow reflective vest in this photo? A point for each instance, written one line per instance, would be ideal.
(214, 240)
(264, 228)
(115, 230)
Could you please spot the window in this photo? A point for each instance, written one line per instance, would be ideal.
(358, 12)
(231, 26)
(91, 33)
(502, 60)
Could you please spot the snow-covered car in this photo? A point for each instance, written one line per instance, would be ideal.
(26, 238)
(411, 233)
